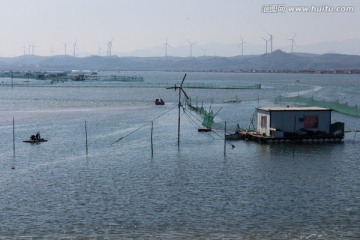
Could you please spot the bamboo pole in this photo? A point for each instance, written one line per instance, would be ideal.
(179, 117)
(86, 139)
(13, 167)
(225, 140)
(12, 79)
(14, 137)
(180, 89)
(294, 137)
(152, 145)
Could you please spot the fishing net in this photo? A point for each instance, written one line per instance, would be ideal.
(208, 116)
(310, 101)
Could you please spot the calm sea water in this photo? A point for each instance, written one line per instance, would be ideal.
(257, 191)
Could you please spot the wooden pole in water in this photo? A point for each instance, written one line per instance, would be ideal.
(180, 89)
(86, 139)
(179, 117)
(12, 80)
(294, 136)
(225, 139)
(152, 146)
(14, 137)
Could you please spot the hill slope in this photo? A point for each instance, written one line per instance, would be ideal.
(277, 60)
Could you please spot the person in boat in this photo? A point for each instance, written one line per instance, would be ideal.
(33, 137)
(37, 136)
(159, 101)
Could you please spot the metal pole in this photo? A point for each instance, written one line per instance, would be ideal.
(152, 146)
(86, 139)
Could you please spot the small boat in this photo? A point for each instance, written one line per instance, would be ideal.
(159, 101)
(35, 140)
(237, 100)
(204, 129)
(235, 136)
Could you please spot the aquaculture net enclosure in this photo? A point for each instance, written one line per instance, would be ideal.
(310, 101)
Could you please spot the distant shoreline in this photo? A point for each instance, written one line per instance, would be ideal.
(34, 74)
(300, 71)
(275, 62)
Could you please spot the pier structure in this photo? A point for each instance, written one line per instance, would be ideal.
(260, 138)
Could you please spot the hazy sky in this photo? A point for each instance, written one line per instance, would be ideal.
(138, 24)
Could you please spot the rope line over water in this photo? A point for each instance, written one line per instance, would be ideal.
(143, 125)
(188, 113)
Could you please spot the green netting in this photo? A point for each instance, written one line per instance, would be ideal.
(334, 105)
(208, 118)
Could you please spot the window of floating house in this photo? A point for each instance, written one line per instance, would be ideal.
(311, 121)
(263, 121)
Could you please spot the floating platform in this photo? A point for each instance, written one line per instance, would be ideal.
(257, 137)
(35, 140)
(204, 130)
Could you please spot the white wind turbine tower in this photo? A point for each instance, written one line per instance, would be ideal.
(266, 44)
(271, 42)
(99, 48)
(109, 47)
(292, 43)
(24, 48)
(33, 48)
(166, 44)
(74, 50)
(242, 46)
(65, 45)
(191, 45)
(204, 49)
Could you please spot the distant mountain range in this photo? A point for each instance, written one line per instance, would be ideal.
(349, 46)
(277, 61)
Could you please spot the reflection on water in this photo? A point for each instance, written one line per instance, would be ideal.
(257, 191)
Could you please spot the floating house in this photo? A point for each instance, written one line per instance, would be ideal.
(298, 123)
(294, 124)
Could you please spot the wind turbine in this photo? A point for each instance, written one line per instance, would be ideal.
(242, 46)
(99, 48)
(292, 43)
(204, 49)
(74, 53)
(109, 47)
(65, 45)
(166, 44)
(191, 45)
(266, 44)
(24, 47)
(271, 42)
(33, 48)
